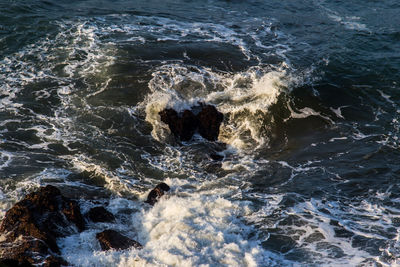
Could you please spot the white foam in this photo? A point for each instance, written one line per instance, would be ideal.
(386, 97)
(306, 112)
(166, 29)
(338, 111)
(5, 159)
(338, 138)
(312, 229)
(349, 22)
(200, 229)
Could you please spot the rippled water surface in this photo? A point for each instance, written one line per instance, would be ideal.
(310, 96)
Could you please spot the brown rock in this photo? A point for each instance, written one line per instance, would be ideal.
(100, 214)
(27, 251)
(156, 193)
(110, 239)
(23, 250)
(72, 212)
(14, 263)
(32, 225)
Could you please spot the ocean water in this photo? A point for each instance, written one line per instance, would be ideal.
(311, 102)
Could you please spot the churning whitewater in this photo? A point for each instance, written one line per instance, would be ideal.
(309, 143)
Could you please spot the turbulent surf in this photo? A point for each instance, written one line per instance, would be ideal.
(305, 170)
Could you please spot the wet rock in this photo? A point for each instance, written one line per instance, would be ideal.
(14, 263)
(110, 239)
(181, 125)
(23, 249)
(100, 214)
(31, 226)
(209, 119)
(156, 193)
(205, 119)
(22, 252)
(216, 157)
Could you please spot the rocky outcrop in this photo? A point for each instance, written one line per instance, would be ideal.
(156, 193)
(204, 119)
(182, 125)
(110, 239)
(100, 214)
(209, 119)
(31, 226)
(14, 263)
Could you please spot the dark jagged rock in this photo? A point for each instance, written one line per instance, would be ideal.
(209, 119)
(23, 249)
(73, 213)
(110, 239)
(205, 119)
(100, 214)
(156, 193)
(32, 225)
(181, 125)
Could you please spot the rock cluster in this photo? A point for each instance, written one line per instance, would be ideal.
(30, 228)
(204, 119)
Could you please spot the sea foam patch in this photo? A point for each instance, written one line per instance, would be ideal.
(199, 229)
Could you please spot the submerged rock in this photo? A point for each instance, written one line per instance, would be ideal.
(100, 214)
(110, 239)
(31, 226)
(205, 119)
(156, 193)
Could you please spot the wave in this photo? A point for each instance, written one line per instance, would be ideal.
(244, 98)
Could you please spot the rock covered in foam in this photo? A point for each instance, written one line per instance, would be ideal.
(205, 119)
(31, 226)
(156, 193)
(100, 214)
(110, 239)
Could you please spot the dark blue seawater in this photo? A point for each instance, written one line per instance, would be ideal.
(311, 103)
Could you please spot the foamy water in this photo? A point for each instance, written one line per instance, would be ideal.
(304, 181)
(183, 229)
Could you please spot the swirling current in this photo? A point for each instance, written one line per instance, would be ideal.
(311, 102)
